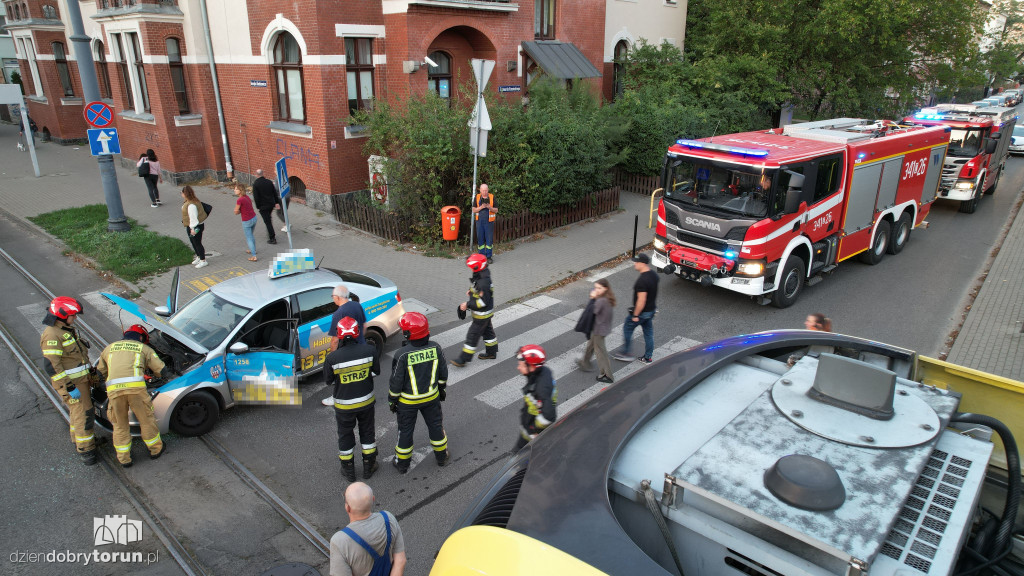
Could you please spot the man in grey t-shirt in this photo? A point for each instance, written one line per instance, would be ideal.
(348, 558)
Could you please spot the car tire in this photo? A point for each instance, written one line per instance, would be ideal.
(196, 414)
(879, 244)
(375, 338)
(791, 283)
(900, 234)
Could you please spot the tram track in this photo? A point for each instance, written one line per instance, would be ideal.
(151, 515)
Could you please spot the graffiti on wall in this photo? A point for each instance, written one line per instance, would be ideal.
(297, 152)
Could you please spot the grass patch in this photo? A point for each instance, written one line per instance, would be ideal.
(128, 255)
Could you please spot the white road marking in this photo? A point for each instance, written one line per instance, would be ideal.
(503, 316)
(418, 456)
(609, 271)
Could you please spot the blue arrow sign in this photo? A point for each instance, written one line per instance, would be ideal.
(104, 142)
(282, 178)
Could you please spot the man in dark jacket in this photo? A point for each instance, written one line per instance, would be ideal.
(539, 394)
(350, 370)
(481, 305)
(265, 194)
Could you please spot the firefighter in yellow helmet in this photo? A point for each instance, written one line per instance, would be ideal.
(69, 369)
(124, 364)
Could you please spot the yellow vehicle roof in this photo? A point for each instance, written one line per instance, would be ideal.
(491, 551)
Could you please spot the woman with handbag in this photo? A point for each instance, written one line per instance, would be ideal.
(193, 215)
(149, 170)
(243, 207)
(604, 302)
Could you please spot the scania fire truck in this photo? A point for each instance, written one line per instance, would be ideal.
(977, 149)
(762, 212)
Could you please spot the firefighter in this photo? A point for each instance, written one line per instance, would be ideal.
(69, 370)
(419, 375)
(124, 365)
(539, 395)
(350, 370)
(481, 305)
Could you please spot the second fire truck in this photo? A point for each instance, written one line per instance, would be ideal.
(760, 213)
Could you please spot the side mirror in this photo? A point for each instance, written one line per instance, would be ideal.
(996, 136)
(238, 348)
(990, 146)
(162, 311)
(792, 200)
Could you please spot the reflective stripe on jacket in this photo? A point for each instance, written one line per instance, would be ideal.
(349, 370)
(68, 358)
(418, 372)
(124, 364)
(481, 296)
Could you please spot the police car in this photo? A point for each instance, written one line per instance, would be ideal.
(248, 339)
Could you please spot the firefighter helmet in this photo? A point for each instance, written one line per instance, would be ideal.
(532, 354)
(137, 332)
(64, 306)
(414, 325)
(477, 262)
(348, 328)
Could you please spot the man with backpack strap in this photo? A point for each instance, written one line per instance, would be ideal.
(372, 543)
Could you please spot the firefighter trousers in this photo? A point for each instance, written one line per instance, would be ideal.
(142, 406)
(407, 425)
(347, 420)
(80, 412)
(479, 327)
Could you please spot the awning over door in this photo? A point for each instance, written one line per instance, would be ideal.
(562, 60)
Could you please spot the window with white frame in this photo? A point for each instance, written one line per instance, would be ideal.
(30, 56)
(61, 61)
(122, 66)
(291, 101)
(140, 72)
(101, 71)
(177, 74)
(359, 73)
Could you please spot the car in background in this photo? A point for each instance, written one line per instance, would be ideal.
(248, 340)
(1017, 140)
(1013, 96)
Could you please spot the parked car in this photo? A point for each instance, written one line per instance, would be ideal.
(1017, 140)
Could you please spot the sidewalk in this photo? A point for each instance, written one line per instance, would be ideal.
(70, 177)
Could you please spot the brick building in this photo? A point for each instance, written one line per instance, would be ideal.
(291, 74)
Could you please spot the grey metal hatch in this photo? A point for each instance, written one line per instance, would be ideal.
(562, 60)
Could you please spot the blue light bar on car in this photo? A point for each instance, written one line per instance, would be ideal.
(739, 151)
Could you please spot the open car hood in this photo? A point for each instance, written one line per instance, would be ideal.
(156, 322)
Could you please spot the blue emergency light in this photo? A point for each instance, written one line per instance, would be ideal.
(739, 151)
(731, 254)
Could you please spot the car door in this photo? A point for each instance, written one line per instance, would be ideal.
(312, 310)
(260, 362)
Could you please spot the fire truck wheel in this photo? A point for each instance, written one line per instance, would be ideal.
(900, 234)
(791, 283)
(879, 244)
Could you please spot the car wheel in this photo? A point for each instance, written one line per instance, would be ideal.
(375, 338)
(791, 283)
(900, 234)
(196, 414)
(879, 244)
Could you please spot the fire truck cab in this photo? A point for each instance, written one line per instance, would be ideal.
(760, 213)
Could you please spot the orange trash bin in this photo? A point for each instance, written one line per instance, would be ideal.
(450, 222)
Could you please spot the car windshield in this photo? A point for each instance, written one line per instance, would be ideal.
(719, 188)
(1018, 131)
(208, 319)
(965, 142)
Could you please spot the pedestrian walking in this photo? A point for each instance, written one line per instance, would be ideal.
(69, 369)
(604, 302)
(349, 370)
(244, 208)
(539, 394)
(481, 306)
(346, 308)
(149, 170)
(193, 216)
(419, 375)
(641, 313)
(484, 202)
(371, 544)
(124, 364)
(264, 193)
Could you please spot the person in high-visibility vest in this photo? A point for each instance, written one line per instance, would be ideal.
(69, 369)
(484, 202)
(124, 365)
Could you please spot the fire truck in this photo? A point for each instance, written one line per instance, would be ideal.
(762, 213)
(977, 149)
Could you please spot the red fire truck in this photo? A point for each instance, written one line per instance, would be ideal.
(977, 150)
(760, 213)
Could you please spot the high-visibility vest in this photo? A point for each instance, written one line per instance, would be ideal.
(476, 203)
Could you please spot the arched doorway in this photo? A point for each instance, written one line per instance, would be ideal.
(298, 189)
(458, 45)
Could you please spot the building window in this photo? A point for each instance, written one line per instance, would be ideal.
(122, 65)
(30, 56)
(439, 79)
(359, 66)
(544, 19)
(177, 74)
(291, 103)
(17, 12)
(619, 67)
(60, 59)
(49, 12)
(140, 72)
(101, 71)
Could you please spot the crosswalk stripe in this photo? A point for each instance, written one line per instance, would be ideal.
(508, 347)
(609, 271)
(674, 345)
(503, 316)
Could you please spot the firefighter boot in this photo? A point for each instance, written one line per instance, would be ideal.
(348, 470)
(401, 465)
(88, 457)
(370, 465)
(443, 458)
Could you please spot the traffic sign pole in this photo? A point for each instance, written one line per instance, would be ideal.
(284, 187)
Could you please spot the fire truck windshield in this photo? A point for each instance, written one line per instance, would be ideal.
(965, 143)
(719, 188)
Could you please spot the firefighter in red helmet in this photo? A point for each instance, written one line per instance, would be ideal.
(419, 374)
(539, 395)
(69, 368)
(481, 305)
(349, 372)
(124, 365)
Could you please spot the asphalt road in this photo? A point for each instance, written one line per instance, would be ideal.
(914, 300)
